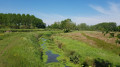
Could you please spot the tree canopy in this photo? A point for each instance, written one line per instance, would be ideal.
(65, 24)
(20, 21)
(106, 26)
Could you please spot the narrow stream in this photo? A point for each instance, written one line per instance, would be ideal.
(51, 57)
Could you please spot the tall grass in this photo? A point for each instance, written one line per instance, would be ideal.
(104, 45)
(21, 50)
(20, 30)
(87, 53)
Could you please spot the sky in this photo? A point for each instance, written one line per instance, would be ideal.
(90, 12)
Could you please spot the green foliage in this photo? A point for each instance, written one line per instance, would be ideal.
(74, 57)
(118, 28)
(65, 24)
(20, 50)
(112, 35)
(103, 44)
(105, 26)
(118, 36)
(101, 63)
(81, 53)
(20, 21)
(66, 30)
(20, 30)
(83, 26)
(117, 41)
(1, 38)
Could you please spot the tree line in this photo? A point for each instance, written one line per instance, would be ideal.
(68, 24)
(65, 24)
(20, 21)
(27, 21)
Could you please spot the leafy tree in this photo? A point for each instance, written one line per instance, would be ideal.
(118, 28)
(17, 21)
(83, 26)
(111, 26)
(65, 24)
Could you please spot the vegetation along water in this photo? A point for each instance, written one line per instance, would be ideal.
(26, 41)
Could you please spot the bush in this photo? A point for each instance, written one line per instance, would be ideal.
(118, 36)
(101, 63)
(85, 64)
(107, 32)
(117, 41)
(112, 34)
(66, 31)
(74, 57)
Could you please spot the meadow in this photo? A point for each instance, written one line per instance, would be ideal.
(74, 49)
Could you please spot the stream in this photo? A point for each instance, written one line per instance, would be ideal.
(51, 57)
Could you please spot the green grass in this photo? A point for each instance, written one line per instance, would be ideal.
(20, 30)
(23, 49)
(104, 45)
(20, 50)
(87, 52)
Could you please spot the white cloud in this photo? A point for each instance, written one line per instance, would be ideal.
(106, 15)
(114, 9)
(110, 14)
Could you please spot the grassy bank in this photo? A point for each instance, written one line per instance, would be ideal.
(86, 53)
(23, 49)
(20, 30)
(20, 50)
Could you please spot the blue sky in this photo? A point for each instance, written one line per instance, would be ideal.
(80, 11)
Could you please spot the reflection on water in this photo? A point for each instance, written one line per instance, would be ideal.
(51, 57)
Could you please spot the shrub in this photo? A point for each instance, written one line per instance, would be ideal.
(117, 41)
(85, 64)
(101, 63)
(107, 32)
(112, 34)
(118, 36)
(66, 31)
(74, 57)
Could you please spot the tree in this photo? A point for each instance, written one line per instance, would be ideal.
(17, 21)
(106, 26)
(67, 24)
(118, 28)
(83, 26)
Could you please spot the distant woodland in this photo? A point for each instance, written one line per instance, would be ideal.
(20, 21)
(27, 21)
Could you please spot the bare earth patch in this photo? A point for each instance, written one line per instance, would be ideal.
(101, 36)
(80, 37)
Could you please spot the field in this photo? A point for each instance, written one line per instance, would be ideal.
(73, 49)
